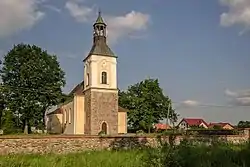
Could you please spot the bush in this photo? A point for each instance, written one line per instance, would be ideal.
(189, 154)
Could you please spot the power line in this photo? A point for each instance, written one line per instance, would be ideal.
(173, 102)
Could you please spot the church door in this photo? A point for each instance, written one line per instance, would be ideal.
(104, 127)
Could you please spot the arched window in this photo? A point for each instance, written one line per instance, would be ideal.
(65, 116)
(104, 127)
(87, 83)
(104, 78)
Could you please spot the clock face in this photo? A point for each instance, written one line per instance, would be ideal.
(104, 63)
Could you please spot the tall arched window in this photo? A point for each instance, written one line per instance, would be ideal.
(65, 116)
(104, 77)
(87, 84)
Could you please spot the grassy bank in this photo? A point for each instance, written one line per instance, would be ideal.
(85, 159)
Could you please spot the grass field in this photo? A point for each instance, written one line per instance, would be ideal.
(130, 158)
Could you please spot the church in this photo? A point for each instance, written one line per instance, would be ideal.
(94, 107)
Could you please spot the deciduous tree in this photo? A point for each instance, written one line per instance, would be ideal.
(32, 81)
(146, 104)
(244, 124)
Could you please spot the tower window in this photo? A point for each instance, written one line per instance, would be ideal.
(87, 83)
(69, 112)
(104, 77)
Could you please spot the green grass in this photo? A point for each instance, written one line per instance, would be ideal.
(130, 158)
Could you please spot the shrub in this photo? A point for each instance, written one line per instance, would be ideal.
(190, 154)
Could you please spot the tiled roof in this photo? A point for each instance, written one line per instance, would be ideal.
(221, 124)
(162, 126)
(101, 48)
(194, 121)
(78, 89)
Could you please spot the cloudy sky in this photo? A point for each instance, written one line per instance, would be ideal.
(199, 49)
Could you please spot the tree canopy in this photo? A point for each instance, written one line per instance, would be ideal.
(244, 124)
(2, 106)
(146, 104)
(32, 81)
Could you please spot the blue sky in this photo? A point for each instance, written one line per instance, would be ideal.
(198, 49)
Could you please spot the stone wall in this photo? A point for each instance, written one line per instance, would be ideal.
(104, 108)
(67, 144)
(101, 107)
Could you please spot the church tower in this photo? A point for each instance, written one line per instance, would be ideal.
(100, 84)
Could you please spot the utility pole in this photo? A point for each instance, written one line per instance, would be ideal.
(167, 120)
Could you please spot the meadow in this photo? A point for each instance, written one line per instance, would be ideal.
(187, 154)
(83, 159)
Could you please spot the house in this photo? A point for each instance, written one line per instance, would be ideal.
(161, 126)
(93, 108)
(186, 123)
(222, 125)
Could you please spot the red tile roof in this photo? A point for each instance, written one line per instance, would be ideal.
(194, 121)
(161, 126)
(221, 124)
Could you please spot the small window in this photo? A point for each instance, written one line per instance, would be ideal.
(69, 116)
(104, 78)
(65, 116)
(87, 84)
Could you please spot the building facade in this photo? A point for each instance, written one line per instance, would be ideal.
(94, 108)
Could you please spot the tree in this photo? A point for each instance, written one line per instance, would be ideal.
(146, 104)
(2, 106)
(32, 81)
(244, 124)
(8, 122)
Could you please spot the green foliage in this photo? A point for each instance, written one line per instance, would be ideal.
(32, 81)
(2, 106)
(146, 104)
(188, 154)
(244, 124)
(65, 98)
(9, 125)
(217, 127)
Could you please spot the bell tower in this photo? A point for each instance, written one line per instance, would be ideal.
(100, 84)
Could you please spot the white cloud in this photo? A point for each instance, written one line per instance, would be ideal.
(80, 12)
(190, 102)
(230, 93)
(118, 26)
(241, 98)
(17, 15)
(238, 14)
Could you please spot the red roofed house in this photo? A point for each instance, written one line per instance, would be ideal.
(186, 123)
(223, 125)
(161, 126)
